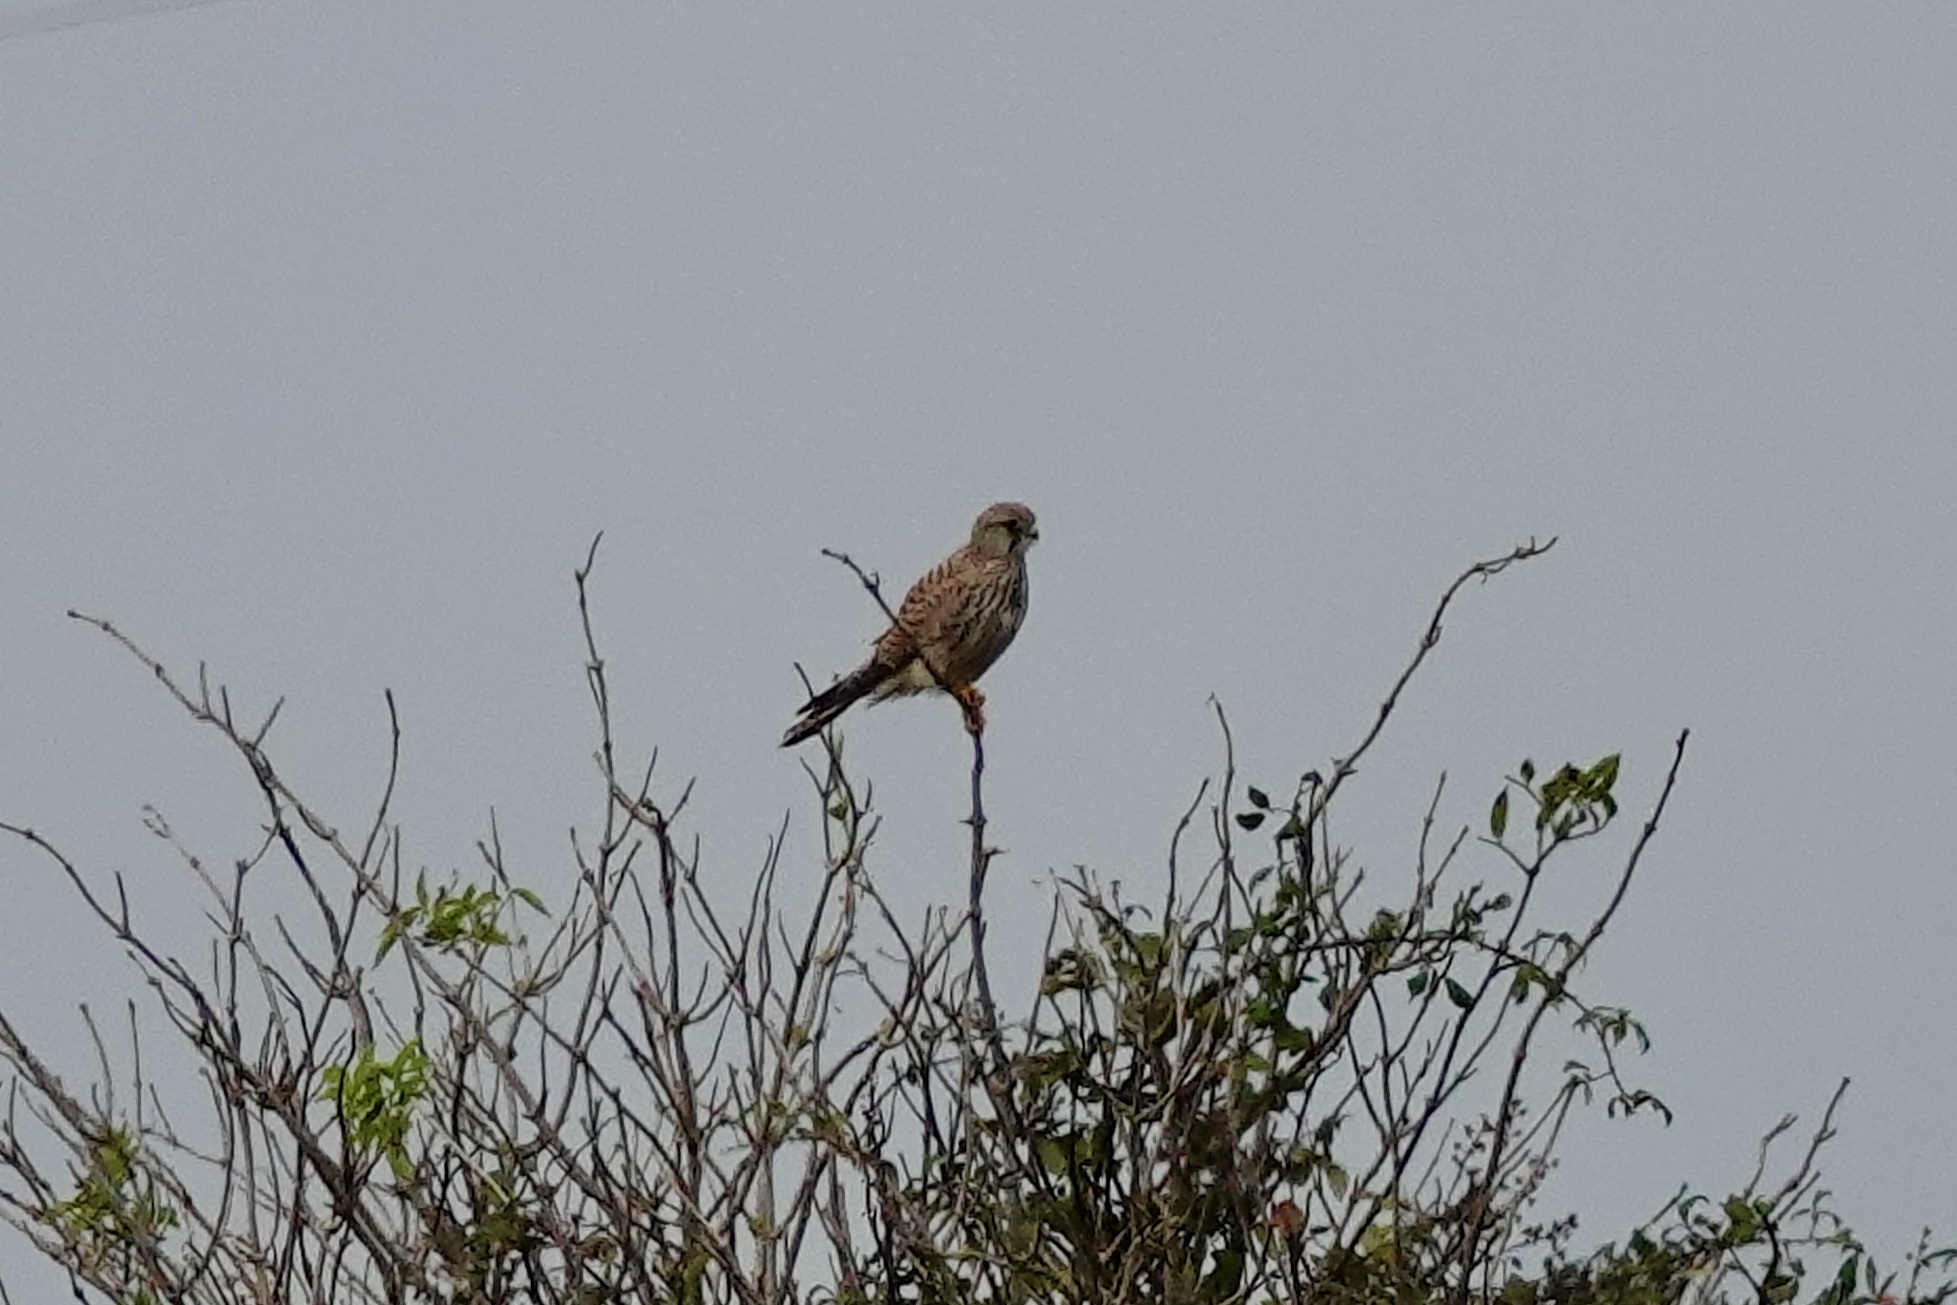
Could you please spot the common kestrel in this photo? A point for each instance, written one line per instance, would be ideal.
(955, 621)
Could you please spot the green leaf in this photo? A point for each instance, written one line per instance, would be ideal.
(1498, 815)
(1745, 1220)
(1459, 995)
(1250, 819)
(1419, 983)
(391, 935)
(1528, 769)
(1052, 1154)
(1227, 1276)
(1258, 799)
(1289, 1037)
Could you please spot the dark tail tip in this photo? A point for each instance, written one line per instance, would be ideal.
(806, 728)
(834, 701)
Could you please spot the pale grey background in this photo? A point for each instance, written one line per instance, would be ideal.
(330, 333)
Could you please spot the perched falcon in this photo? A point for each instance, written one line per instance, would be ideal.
(955, 621)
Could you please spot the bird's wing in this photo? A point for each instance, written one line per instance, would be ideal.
(921, 616)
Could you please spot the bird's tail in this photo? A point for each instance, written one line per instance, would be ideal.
(834, 701)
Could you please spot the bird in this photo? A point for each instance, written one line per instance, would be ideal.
(953, 624)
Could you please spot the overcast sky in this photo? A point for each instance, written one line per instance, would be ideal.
(331, 332)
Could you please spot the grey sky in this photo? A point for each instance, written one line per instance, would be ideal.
(331, 332)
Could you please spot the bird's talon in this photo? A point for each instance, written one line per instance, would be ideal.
(973, 704)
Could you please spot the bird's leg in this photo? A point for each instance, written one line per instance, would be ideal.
(973, 703)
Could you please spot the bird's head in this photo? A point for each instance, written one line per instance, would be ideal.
(1005, 530)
